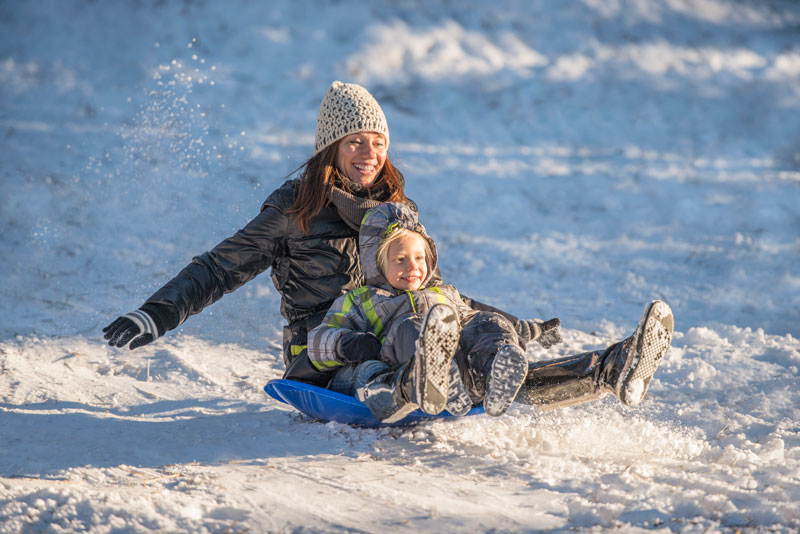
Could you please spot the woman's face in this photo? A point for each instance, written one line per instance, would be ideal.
(360, 157)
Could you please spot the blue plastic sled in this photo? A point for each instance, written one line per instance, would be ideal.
(327, 405)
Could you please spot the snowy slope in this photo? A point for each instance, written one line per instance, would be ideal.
(572, 159)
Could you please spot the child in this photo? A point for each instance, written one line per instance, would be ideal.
(415, 325)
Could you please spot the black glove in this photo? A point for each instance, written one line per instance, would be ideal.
(139, 325)
(357, 347)
(544, 332)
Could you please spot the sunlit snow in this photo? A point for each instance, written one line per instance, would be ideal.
(572, 159)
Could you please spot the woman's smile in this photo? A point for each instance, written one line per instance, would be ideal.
(360, 157)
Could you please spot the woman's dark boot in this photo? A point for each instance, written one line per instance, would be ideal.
(422, 382)
(624, 369)
(629, 367)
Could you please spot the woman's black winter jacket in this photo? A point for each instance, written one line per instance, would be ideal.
(309, 271)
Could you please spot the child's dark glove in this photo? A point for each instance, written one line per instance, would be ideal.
(543, 332)
(357, 347)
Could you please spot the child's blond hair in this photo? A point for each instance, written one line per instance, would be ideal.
(382, 255)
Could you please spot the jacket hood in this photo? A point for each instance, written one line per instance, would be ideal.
(378, 224)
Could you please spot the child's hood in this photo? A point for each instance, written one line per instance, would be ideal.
(377, 225)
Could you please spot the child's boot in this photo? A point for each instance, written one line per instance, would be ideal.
(436, 346)
(458, 400)
(423, 381)
(385, 395)
(507, 374)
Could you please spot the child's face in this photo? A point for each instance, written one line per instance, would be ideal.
(406, 268)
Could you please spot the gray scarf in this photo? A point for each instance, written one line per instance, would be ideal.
(350, 207)
(351, 202)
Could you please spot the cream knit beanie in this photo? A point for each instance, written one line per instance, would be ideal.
(348, 108)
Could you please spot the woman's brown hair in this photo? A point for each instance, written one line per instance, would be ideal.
(317, 178)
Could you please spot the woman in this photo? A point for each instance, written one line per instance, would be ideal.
(307, 232)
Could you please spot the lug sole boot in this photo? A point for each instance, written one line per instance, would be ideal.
(629, 366)
(422, 382)
(384, 396)
(458, 400)
(507, 374)
(436, 346)
(624, 369)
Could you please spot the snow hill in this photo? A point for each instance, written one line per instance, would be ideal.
(572, 159)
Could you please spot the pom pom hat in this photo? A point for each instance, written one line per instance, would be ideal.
(348, 108)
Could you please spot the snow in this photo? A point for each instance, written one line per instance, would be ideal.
(572, 159)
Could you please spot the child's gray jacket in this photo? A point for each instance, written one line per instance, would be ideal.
(375, 306)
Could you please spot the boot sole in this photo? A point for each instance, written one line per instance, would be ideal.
(459, 401)
(436, 347)
(652, 339)
(509, 369)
